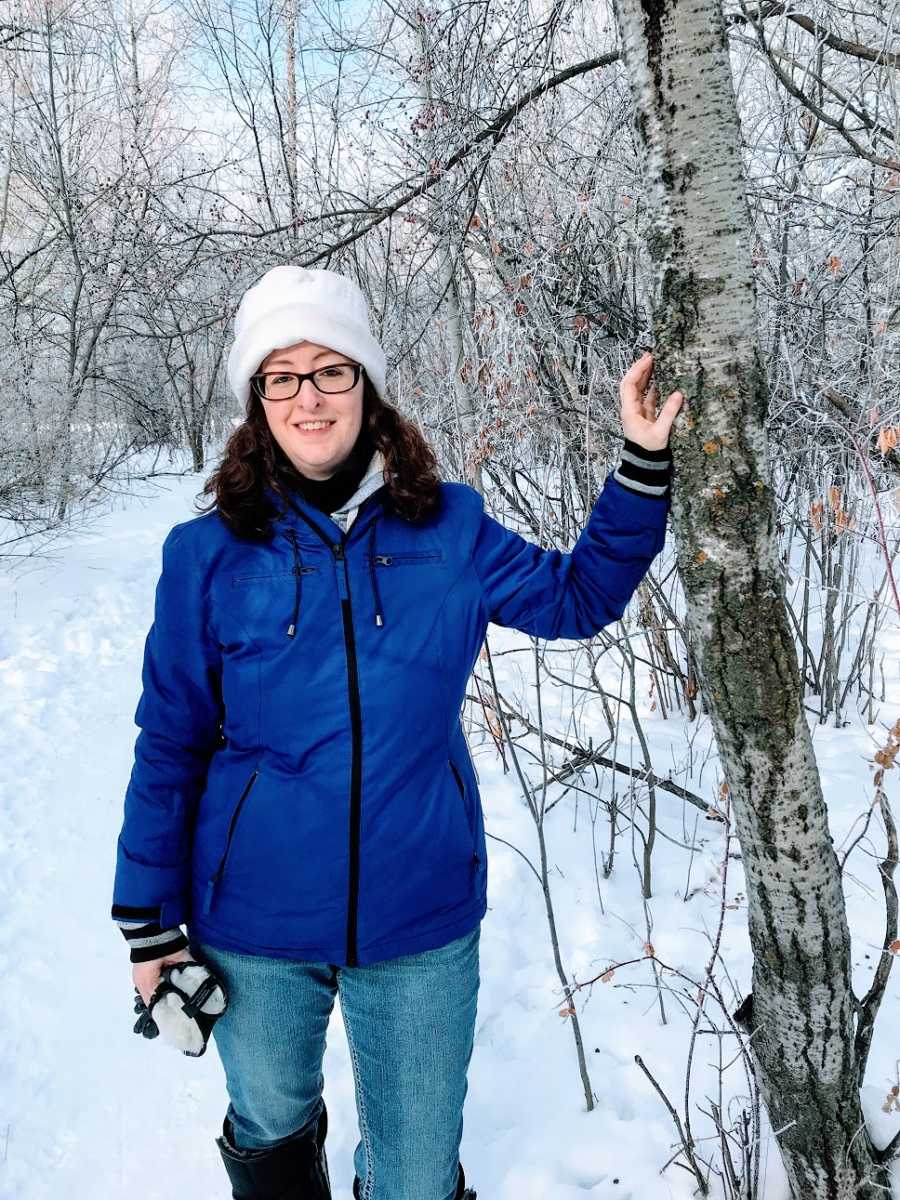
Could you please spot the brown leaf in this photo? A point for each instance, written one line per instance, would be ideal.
(887, 438)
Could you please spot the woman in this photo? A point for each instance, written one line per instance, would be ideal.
(302, 796)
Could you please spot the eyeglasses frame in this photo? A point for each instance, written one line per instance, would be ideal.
(358, 368)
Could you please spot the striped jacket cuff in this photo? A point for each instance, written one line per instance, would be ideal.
(145, 936)
(647, 472)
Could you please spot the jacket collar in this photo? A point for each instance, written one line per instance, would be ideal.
(361, 511)
(299, 513)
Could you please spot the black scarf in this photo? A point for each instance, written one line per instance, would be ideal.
(329, 494)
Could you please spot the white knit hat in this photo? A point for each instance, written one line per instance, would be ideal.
(291, 304)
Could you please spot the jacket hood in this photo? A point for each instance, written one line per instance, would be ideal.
(371, 481)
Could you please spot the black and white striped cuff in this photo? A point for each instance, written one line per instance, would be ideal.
(647, 472)
(146, 938)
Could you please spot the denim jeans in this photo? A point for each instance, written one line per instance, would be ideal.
(410, 1024)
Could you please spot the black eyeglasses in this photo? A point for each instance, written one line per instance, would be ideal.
(284, 385)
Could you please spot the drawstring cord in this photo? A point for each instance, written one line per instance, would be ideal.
(379, 618)
(292, 628)
(299, 569)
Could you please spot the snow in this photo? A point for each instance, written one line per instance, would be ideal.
(89, 1111)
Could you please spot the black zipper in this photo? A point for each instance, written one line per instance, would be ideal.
(217, 875)
(410, 558)
(462, 796)
(356, 762)
(337, 549)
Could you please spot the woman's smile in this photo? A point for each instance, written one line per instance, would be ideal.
(315, 428)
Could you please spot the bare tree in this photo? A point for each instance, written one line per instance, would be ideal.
(800, 1013)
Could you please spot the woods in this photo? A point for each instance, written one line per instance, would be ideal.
(532, 197)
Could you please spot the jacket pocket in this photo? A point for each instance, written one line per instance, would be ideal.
(237, 580)
(217, 874)
(408, 558)
(462, 797)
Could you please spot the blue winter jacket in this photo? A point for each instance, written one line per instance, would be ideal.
(302, 785)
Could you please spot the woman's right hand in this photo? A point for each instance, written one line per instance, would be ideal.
(146, 974)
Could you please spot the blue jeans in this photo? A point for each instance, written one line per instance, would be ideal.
(410, 1024)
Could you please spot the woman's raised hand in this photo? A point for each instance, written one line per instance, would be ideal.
(638, 407)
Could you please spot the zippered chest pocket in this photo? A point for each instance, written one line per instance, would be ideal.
(274, 576)
(408, 558)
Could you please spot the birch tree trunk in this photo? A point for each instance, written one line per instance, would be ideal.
(801, 1010)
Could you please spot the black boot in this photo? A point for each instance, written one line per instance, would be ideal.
(293, 1170)
(462, 1192)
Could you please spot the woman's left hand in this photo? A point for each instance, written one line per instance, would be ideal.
(638, 407)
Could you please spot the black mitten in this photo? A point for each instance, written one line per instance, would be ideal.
(187, 1002)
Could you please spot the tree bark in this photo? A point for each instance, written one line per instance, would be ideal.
(801, 1011)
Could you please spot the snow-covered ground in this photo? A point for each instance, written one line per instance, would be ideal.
(88, 1111)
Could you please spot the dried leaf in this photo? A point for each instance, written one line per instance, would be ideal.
(887, 438)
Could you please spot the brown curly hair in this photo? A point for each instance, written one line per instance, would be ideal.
(252, 458)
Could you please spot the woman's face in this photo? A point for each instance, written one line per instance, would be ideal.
(316, 452)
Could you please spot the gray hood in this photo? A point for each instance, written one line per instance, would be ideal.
(370, 482)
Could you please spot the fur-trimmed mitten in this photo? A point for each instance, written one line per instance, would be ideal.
(187, 1002)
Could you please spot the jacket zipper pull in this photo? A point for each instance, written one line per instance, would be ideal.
(208, 898)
